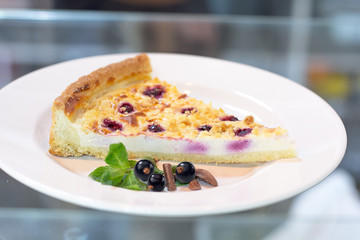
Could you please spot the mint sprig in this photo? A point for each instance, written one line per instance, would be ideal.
(113, 176)
(132, 182)
(117, 156)
(119, 171)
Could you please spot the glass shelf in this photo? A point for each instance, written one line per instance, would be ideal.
(321, 54)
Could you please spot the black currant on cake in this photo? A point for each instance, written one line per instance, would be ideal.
(122, 102)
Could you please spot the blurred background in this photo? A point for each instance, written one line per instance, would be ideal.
(313, 42)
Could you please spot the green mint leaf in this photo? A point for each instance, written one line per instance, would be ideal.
(113, 176)
(132, 182)
(132, 163)
(179, 184)
(117, 156)
(157, 170)
(173, 168)
(135, 187)
(97, 173)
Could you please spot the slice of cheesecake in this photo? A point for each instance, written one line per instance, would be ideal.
(123, 103)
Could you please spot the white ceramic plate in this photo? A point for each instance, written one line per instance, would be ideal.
(25, 119)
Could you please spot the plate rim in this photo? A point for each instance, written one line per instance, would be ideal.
(56, 193)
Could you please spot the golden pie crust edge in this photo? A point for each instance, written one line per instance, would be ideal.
(79, 96)
(101, 80)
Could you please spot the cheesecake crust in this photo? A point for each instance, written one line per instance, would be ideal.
(101, 80)
(81, 95)
(121, 101)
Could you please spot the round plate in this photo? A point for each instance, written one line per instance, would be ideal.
(239, 89)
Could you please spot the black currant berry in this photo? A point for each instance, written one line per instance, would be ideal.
(143, 169)
(155, 128)
(156, 182)
(112, 125)
(229, 118)
(185, 172)
(204, 128)
(126, 108)
(156, 91)
(242, 131)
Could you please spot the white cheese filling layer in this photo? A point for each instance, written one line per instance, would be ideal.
(205, 146)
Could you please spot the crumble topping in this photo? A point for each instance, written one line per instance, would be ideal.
(156, 107)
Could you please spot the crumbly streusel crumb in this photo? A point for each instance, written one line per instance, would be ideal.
(179, 115)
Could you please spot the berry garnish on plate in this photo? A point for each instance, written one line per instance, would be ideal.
(144, 175)
(185, 172)
(156, 182)
(143, 169)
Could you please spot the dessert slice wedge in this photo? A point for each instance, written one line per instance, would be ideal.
(123, 103)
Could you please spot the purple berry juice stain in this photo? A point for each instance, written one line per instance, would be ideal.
(194, 147)
(237, 146)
